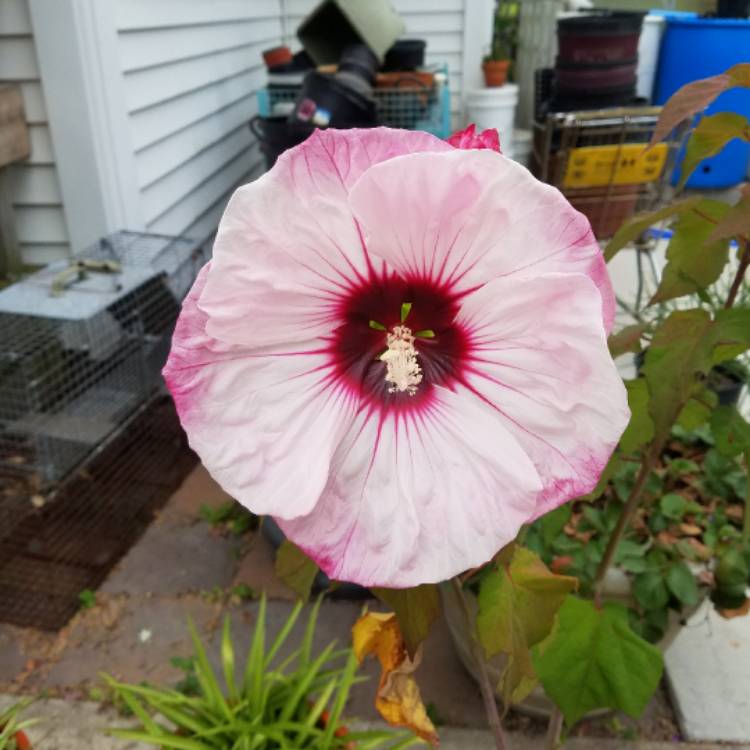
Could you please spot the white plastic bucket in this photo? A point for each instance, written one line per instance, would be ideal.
(494, 108)
(522, 145)
(648, 54)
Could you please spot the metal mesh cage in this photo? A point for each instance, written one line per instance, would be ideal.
(409, 104)
(88, 447)
(82, 346)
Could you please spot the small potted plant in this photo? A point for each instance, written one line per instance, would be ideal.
(496, 64)
(12, 734)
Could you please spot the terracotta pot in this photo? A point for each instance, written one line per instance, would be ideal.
(495, 72)
(277, 56)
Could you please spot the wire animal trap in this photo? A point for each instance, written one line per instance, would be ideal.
(53, 547)
(82, 346)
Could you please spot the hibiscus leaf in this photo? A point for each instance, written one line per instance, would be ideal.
(295, 569)
(736, 220)
(638, 224)
(398, 699)
(627, 340)
(640, 429)
(681, 354)
(730, 430)
(696, 96)
(518, 603)
(709, 137)
(416, 609)
(594, 660)
(650, 590)
(691, 264)
(698, 410)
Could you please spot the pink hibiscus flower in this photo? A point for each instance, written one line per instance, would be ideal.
(399, 352)
(469, 138)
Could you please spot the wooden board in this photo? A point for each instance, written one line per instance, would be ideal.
(14, 133)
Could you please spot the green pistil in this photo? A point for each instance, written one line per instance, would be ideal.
(427, 333)
(377, 326)
(405, 310)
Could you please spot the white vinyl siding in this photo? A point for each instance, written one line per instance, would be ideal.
(439, 22)
(191, 72)
(37, 203)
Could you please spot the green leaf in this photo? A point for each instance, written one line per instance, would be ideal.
(683, 350)
(295, 569)
(682, 584)
(517, 608)
(553, 523)
(594, 660)
(627, 340)
(693, 265)
(731, 334)
(731, 432)
(736, 220)
(416, 609)
(640, 429)
(709, 137)
(698, 410)
(695, 97)
(638, 224)
(650, 590)
(673, 506)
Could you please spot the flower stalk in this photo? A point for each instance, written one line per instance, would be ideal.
(488, 693)
(634, 499)
(739, 276)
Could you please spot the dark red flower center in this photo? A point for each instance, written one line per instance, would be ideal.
(356, 346)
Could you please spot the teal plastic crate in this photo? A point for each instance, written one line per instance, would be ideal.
(411, 107)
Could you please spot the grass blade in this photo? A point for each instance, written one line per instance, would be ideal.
(254, 673)
(307, 640)
(283, 634)
(342, 695)
(205, 674)
(227, 660)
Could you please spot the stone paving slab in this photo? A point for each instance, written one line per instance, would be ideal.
(75, 725)
(708, 669)
(174, 559)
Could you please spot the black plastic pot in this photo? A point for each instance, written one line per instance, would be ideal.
(609, 36)
(277, 134)
(276, 537)
(325, 101)
(733, 8)
(406, 54)
(722, 380)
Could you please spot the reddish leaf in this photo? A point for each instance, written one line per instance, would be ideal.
(695, 97)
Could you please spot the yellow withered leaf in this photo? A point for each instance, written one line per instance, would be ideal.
(398, 700)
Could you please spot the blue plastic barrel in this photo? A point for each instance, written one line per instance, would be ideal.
(695, 48)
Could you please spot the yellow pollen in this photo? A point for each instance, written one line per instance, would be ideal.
(402, 369)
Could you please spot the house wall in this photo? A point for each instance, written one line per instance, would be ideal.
(149, 103)
(37, 202)
(191, 70)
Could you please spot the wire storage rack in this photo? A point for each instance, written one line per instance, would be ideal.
(412, 101)
(86, 451)
(598, 159)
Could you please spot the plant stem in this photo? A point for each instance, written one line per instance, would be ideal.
(739, 276)
(554, 728)
(488, 693)
(649, 460)
(746, 517)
